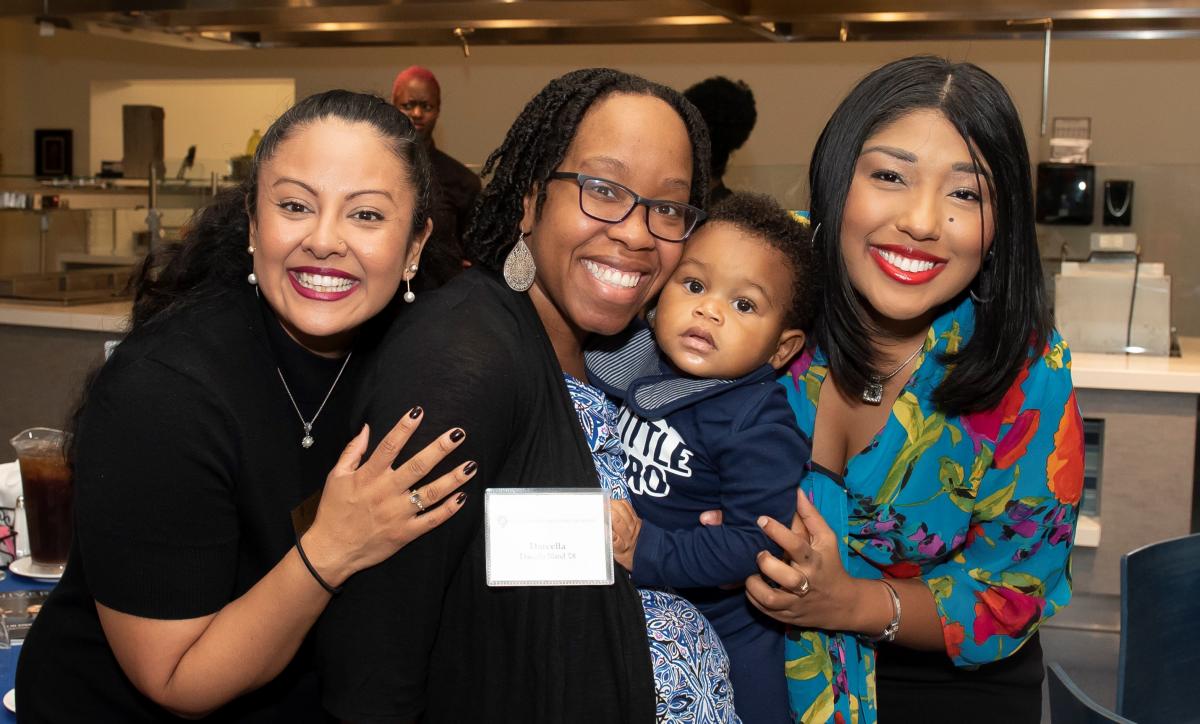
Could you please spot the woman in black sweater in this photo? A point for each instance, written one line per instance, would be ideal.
(591, 193)
(188, 591)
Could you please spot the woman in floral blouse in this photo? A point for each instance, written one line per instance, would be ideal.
(934, 531)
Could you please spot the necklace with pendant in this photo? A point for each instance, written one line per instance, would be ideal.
(307, 441)
(872, 394)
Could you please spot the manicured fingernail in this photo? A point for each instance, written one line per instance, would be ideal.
(461, 497)
(470, 468)
(415, 412)
(457, 434)
(762, 521)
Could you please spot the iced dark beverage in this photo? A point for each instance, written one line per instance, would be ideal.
(49, 497)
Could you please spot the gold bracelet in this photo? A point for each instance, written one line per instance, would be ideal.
(893, 627)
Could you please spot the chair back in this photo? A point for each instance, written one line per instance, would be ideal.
(1069, 705)
(1157, 679)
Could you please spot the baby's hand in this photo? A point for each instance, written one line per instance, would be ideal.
(625, 529)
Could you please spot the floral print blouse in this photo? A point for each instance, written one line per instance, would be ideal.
(981, 506)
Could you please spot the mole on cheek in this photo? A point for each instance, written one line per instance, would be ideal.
(951, 219)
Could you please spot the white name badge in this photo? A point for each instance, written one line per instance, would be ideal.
(547, 537)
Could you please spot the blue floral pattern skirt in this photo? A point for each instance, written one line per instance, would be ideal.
(691, 668)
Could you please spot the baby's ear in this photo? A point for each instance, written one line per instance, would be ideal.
(791, 341)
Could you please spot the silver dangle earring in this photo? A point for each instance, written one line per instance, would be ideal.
(813, 239)
(519, 267)
(251, 278)
(408, 292)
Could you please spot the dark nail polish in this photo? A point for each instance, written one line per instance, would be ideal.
(415, 412)
(457, 434)
(461, 497)
(470, 468)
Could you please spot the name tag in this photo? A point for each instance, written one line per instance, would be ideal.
(547, 537)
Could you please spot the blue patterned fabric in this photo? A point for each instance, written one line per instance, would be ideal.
(691, 669)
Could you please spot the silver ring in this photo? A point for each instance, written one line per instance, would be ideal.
(414, 497)
(804, 587)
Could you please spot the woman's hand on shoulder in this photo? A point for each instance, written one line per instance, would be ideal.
(369, 510)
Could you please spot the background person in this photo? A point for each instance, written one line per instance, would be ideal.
(947, 443)
(729, 112)
(186, 592)
(417, 94)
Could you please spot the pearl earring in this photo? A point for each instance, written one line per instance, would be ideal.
(408, 294)
(252, 279)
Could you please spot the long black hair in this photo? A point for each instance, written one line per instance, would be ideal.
(1012, 315)
(212, 256)
(537, 142)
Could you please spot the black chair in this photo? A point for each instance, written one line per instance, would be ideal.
(1158, 672)
(1069, 705)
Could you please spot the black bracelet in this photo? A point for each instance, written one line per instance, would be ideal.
(300, 549)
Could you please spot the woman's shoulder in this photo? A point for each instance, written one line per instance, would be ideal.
(198, 342)
(474, 311)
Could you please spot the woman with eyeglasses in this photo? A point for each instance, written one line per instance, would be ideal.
(596, 184)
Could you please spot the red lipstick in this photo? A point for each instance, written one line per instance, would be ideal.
(310, 293)
(905, 276)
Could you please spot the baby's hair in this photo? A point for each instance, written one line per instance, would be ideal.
(761, 216)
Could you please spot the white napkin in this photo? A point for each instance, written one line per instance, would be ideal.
(10, 484)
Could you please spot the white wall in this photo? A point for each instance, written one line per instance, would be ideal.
(1143, 96)
(216, 115)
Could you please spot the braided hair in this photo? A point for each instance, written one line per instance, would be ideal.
(537, 142)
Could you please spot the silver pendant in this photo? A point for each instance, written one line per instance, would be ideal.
(308, 441)
(872, 394)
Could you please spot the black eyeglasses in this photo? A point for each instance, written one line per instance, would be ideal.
(610, 202)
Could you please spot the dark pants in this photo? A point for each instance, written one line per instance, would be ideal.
(926, 688)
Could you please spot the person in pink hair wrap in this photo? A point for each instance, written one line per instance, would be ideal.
(418, 95)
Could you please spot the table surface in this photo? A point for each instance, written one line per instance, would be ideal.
(8, 659)
(1139, 373)
(103, 317)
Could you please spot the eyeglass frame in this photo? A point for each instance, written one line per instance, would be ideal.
(638, 200)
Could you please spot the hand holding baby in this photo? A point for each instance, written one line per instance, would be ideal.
(626, 526)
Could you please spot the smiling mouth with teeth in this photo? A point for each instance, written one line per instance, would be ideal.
(612, 276)
(905, 263)
(324, 283)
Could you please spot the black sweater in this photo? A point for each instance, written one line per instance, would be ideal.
(188, 466)
(421, 636)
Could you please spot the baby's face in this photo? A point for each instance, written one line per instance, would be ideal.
(722, 313)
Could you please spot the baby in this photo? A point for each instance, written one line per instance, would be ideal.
(704, 425)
